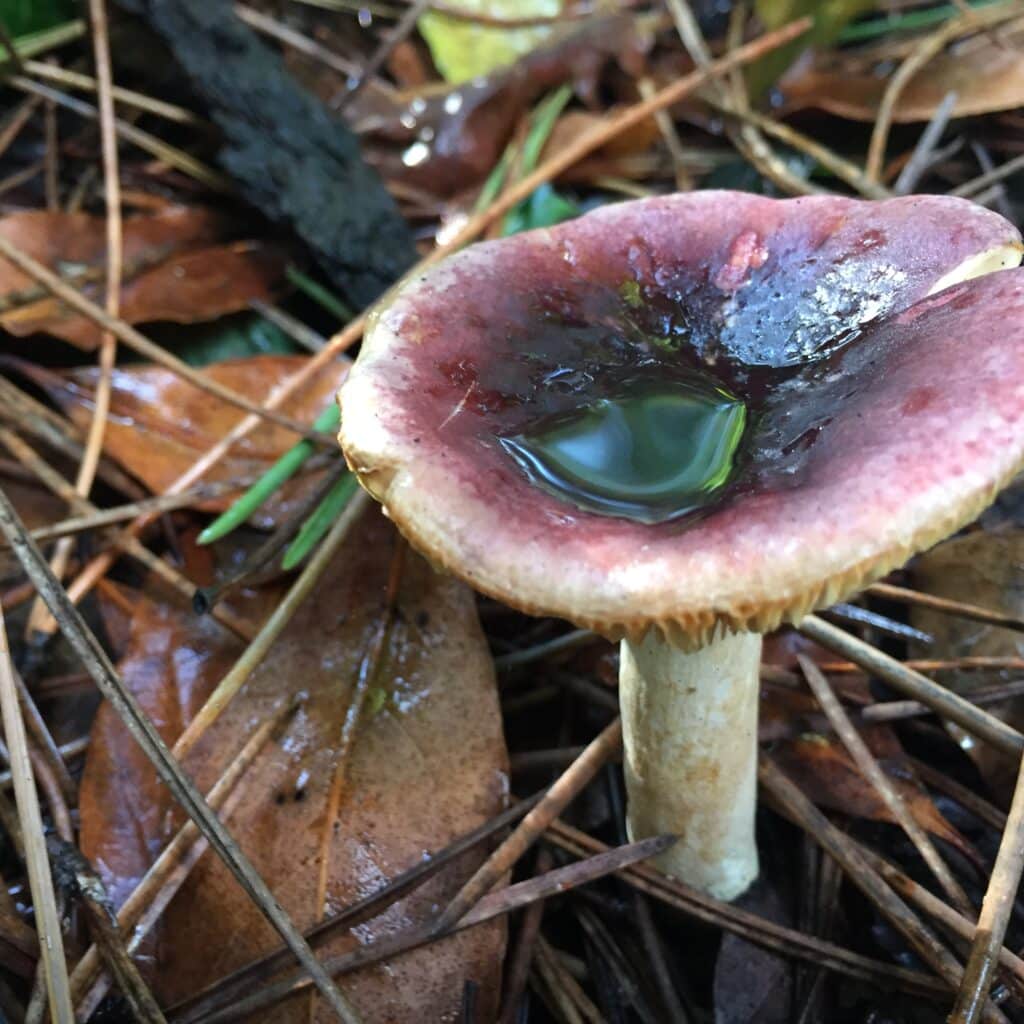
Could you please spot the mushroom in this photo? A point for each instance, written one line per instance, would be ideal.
(685, 420)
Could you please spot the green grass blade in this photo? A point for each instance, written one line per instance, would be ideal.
(318, 293)
(320, 521)
(281, 471)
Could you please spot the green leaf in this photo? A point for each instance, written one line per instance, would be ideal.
(830, 18)
(22, 17)
(542, 209)
(230, 337)
(545, 206)
(464, 49)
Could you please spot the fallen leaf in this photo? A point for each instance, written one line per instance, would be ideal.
(428, 764)
(824, 770)
(753, 985)
(160, 424)
(445, 141)
(177, 267)
(464, 48)
(982, 568)
(985, 71)
(36, 506)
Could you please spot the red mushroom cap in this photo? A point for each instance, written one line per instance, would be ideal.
(892, 414)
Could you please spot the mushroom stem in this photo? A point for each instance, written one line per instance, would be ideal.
(690, 734)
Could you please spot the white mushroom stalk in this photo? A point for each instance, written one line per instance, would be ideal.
(689, 725)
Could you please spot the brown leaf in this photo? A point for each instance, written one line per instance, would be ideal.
(173, 270)
(159, 424)
(824, 770)
(980, 568)
(985, 71)
(444, 141)
(36, 506)
(428, 764)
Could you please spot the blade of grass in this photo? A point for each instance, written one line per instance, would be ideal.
(320, 521)
(281, 471)
(318, 293)
(541, 125)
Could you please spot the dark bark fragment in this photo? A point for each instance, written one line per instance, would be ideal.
(293, 161)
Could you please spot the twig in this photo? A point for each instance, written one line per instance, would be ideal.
(860, 872)
(915, 168)
(950, 705)
(148, 104)
(171, 155)
(947, 606)
(493, 905)
(765, 933)
(131, 546)
(529, 830)
(601, 134)
(67, 751)
(369, 665)
(971, 188)
(51, 157)
(32, 417)
(929, 47)
(673, 143)
(48, 749)
(870, 769)
(94, 659)
(139, 343)
(995, 914)
(168, 872)
(231, 986)
(404, 26)
(271, 629)
(121, 513)
(936, 909)
(51, 942)
(299, 332)
(574, 1002)
(296, 40)
(520, 959)
(16, 121)
(538, 652)
(39, 620)
(108, 938)
(967, 798)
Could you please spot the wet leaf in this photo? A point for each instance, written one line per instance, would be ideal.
(824, 770)
(230, 337)
(985, 71)
(982, 568)
(544, 208)
(428, 764)
(463, 49)
(447, 141)
(753, 986)
(176, 268)
(36, 506)
(160, 424)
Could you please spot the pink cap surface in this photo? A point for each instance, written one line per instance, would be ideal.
(892, 417)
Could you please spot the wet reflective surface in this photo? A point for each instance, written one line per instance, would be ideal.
(650, 452)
